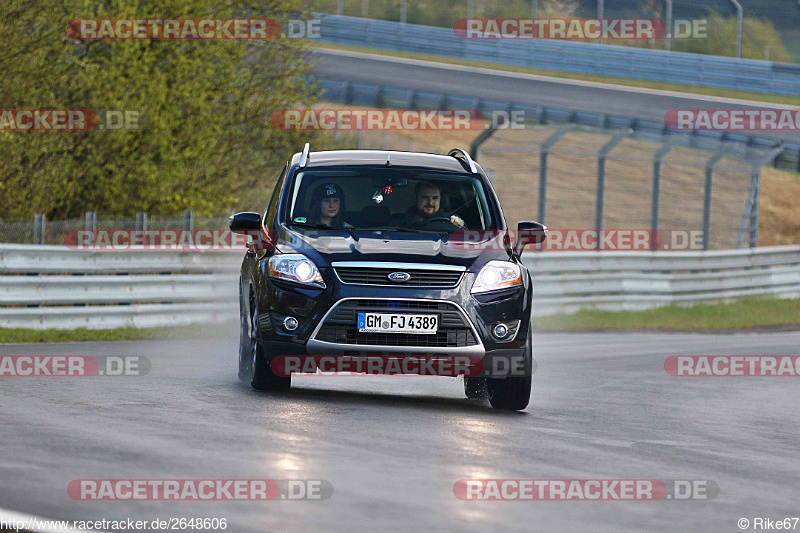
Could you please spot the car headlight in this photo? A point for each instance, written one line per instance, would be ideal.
(297, 268)
(497, 275)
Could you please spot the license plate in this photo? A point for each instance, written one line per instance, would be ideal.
(392, 323)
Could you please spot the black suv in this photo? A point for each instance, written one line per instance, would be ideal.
(381, 253)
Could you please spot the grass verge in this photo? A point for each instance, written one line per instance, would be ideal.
(746, 313)
(628, 82)
(198, 331)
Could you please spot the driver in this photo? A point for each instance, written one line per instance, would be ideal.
(427, 201)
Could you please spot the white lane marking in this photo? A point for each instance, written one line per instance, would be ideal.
(7, 516)
(551, 79)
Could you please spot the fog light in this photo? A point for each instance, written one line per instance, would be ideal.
(290, 323)
(500, 331)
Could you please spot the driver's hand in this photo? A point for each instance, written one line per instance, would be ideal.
(457, 221)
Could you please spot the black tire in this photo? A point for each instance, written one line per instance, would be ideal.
(244, 338)
(513, 393)
(261, 375)
(475, 388)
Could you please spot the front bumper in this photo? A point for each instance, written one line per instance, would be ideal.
(314, 307)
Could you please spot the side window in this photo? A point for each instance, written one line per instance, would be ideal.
(272, 209)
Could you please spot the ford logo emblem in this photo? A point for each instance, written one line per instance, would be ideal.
(399, 277)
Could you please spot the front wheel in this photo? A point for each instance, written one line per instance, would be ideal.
(513, 392)
(261, 375)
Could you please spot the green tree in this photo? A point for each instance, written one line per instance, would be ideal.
(207, 143)
(757, 36)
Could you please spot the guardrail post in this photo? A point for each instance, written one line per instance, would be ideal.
(188, 220)
(544, 151)
(38, 229)
(601, 181)
(719, 154)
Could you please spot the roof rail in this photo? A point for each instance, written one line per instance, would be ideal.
(304, 157)
(455, 152)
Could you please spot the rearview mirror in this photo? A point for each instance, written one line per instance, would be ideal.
(244, 223)
(529, 233)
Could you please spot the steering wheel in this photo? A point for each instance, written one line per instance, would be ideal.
(435, 219)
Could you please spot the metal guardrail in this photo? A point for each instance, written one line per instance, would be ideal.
(52, 287)
(201, 287)
(565, 282)
(638, 63)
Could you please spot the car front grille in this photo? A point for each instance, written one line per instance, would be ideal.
(340, 327)
(420, 277)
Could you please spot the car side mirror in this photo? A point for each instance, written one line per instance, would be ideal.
(245, 223)
(529, 233)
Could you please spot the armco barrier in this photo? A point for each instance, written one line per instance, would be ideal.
(607, 60)
(565, 282)
(41, 287)
(53, 287)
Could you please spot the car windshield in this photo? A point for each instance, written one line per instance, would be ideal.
(391, 199)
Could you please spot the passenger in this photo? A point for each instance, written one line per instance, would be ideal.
(327, 205)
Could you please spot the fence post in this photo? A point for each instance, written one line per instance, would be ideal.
(668, 36)
(656, 199)
(38, 229)
(91, 221)
(544, 151)
(752, 208)
(141, 221)
(188, 220)
(719, 154)
(601, 181)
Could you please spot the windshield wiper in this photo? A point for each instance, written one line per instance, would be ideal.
(309, 225)
(390, 228)
(323, 226)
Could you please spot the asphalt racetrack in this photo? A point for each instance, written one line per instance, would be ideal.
(393, 447)
(503, 86)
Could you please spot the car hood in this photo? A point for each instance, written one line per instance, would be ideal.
(328, 246)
